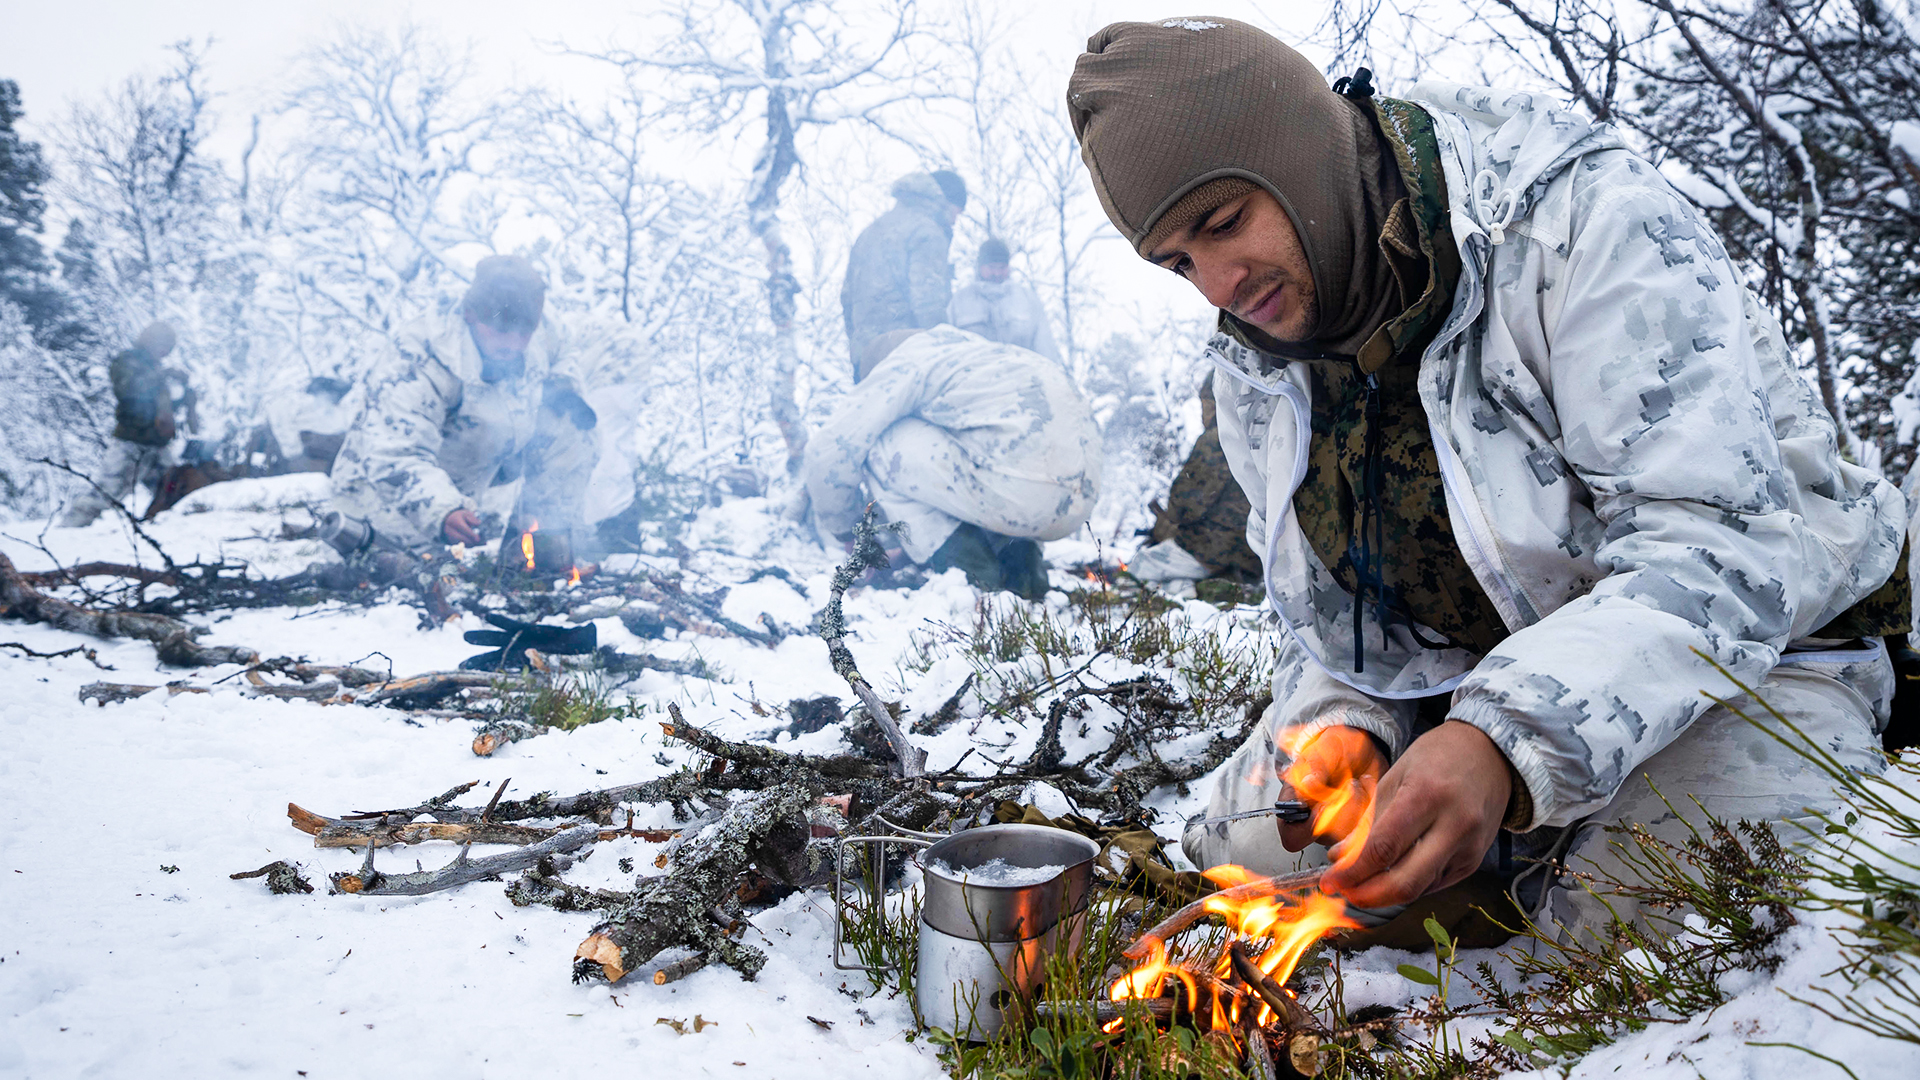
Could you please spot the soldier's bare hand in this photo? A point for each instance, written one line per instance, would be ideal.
(1436, 813)
(461, 527)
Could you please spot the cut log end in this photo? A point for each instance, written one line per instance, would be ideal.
(600, 949)
(485, 743)
(305, 820)
(1303, 1053)
(348, 883)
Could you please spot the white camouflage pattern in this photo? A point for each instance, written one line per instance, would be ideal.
(1004, 311)
(952, 427)
(1634, 470)
(434, 437)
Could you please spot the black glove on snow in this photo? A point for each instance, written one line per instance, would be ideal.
(514, 638)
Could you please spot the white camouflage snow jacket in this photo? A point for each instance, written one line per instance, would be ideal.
(1635, 472)
(1004, 311)
(434, 437)
(952, 427)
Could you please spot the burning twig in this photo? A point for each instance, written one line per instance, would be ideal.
(1106, 1012)
(867, 552)
(1173, 924)
(1293, 1016)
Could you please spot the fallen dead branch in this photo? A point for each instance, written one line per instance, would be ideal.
(172, 639)
(282, 877)
(371, 882)
(107, 693)
(92, 655)
(71, 575)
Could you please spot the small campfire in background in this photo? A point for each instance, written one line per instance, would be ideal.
(1238, 991)
(1100, 574)
(549, 554)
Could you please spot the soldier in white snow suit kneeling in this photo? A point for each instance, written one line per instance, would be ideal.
(471, 426)
(1530, 473)
(980, 450)
(999, 308)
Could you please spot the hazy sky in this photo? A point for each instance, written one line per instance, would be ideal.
(61, 50)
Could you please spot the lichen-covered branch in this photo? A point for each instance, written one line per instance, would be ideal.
(368, 881)
(867, 553)
(777, 762)
(672, 911)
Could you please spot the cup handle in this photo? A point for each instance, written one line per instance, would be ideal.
(839, 858)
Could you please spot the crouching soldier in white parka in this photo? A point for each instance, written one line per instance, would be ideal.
(1530, 470)
(978, 449)
(470, 427)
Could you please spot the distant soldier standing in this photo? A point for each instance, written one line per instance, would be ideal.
(999, 308)
(141, 451)
(470, 424)
(898, 273)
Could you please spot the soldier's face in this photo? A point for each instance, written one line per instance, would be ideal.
(993, 271)
(498, 347)
(1246, 258)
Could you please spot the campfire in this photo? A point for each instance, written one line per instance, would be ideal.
(526, 543)
(1239, 990)
(549, 553)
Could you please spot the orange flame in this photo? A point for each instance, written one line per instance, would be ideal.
(1324, 777)
(1149, 978)
(573, 576)
(1287, 924)
(526, 541)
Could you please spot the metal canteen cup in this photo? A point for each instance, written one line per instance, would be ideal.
(981, 946)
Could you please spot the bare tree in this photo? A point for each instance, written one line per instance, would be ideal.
(1775, 118)
(136, 177)
(791, 65)
(393, 141)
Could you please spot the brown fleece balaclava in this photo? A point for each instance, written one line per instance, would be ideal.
(1180, 116)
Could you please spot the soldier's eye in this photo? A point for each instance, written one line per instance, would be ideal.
(1181, 266)
(1227, 226)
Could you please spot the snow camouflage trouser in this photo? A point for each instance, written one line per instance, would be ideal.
(127, 466)
(1839, 698)
(925, 478)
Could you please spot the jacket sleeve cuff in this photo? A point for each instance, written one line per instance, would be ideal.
(1370, 719)
(1533, 799)
(434, 514)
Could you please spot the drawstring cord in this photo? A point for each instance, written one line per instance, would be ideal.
(1495, 212)
(1368, 573)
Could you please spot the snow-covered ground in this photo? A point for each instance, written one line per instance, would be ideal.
(127, 951)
